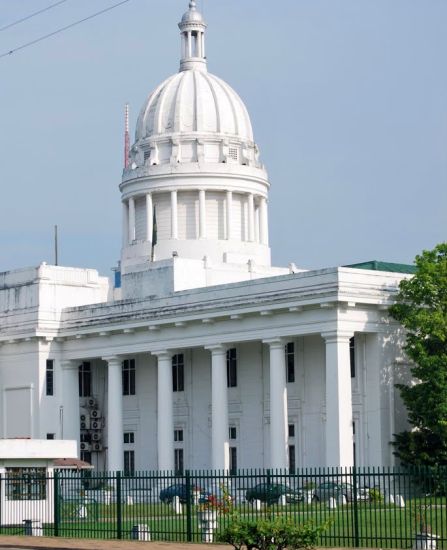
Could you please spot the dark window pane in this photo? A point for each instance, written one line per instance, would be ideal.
(49, 377)
(178, 461)
(178, 373)
(292, 462)
(128, 377)
(129, 463)
(233, 460)
(231, 368)
(290, 362)
(352, 356)
(291, 430)
(85, 380)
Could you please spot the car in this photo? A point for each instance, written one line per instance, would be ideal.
(332, 489)
(271, 493)
(197, 496)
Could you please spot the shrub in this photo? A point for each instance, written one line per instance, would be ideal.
(375, 496)
(271, 534)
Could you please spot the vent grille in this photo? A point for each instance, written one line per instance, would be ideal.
(233, 153)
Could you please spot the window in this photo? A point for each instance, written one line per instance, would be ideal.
(49, 377)
(233, 460)
(178, 461)
(290, 362)
(232, 432)
(291, 430)
(178, 435)
(292, 462)
(178, 372)
(26, 483)
(129, 463)
(85, 379)
(51, 436)
(129, 437)
(231, 368)
(129, 377)
(352, 356)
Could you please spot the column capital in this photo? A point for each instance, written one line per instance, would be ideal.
(341, 336)
(110, 359)
(217, 348)
(163, 354)
(277, 341)
(69, 364)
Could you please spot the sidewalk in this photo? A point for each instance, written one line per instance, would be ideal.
(59, 543)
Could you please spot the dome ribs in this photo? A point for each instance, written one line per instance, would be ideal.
(207, 77)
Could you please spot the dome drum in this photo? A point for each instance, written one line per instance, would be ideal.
(188, 149)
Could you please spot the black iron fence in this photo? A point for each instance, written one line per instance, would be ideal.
(373, 507)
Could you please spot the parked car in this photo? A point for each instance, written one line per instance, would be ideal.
(179, 490)
(332, 489)
(271, 493)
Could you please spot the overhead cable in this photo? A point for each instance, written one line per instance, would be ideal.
(62, 29)
(9, 25)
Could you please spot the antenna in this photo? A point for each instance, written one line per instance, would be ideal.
(126, 136)
(55, 245)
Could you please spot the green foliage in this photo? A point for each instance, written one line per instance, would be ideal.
(271, 534)
(375, 496)
(421, 308)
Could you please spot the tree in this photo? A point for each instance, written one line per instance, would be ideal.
(421, 308)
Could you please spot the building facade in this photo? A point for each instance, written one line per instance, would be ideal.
(202, 354)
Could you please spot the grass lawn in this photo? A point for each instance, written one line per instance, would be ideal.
(378, 525)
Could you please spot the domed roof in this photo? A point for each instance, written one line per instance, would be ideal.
(192, 15)
(194, 101)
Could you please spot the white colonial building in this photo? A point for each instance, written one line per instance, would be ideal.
(201, 355)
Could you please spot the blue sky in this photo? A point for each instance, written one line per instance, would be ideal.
(348, 101)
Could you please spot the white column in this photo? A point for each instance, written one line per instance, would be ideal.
(278, 404)
(189, 44)
(174, 222)
(115, 451)
(202, 214)
(131, 220)
(229, 214)
(125, 224)
(149, 217)
(203, 43)
(251, 218)
(220, 454)
(70, 399)
(257, 224)
(339, 441)
(165, 421)
(264, 232)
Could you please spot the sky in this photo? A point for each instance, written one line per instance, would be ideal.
(348, 102)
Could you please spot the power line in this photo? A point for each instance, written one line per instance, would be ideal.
(9, 25)
(62, 29)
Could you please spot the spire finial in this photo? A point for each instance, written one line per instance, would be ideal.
(192, 5)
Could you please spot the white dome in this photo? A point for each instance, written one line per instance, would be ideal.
(194, 101)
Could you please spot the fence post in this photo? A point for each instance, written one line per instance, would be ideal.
(188, 506)
(355, 508)
(119, 519)
(56, 502)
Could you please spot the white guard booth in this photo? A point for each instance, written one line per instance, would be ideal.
(27, 487)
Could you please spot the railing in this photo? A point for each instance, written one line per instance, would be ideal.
(372, 507)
